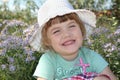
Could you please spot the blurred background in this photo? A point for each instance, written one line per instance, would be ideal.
(18, 21)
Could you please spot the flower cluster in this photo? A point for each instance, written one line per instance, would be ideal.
(13, 27)
(16, 56)
(106, 41)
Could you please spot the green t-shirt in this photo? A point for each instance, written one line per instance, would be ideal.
(53, 67)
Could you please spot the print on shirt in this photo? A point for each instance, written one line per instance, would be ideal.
(81, 67)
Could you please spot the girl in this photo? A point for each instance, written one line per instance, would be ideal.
(61, 33)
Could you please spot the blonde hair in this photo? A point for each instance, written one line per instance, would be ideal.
(59, 19)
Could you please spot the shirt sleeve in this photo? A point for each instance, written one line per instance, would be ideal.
(44, 68)
(98, 62)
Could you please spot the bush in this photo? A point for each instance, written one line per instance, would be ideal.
(17, 59)
(106, 41)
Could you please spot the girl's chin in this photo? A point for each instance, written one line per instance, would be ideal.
(70, 50)
(70, 47)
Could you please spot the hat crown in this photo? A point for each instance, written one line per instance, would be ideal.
(51, 8)
(56, 4)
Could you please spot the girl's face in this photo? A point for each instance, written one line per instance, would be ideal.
(65, 38)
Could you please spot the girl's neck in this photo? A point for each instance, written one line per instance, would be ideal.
(71, 57)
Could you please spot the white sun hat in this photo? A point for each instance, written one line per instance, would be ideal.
(53, 8)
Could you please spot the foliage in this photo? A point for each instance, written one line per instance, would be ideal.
(92, 4)
(116, 9)
(18, 60)
(106, 41)
(19, 13)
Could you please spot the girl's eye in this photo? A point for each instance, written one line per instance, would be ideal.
(72, 26)
(56, 31)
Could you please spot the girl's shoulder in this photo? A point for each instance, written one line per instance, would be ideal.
(87, 50)
(89, 53)
(50, 56)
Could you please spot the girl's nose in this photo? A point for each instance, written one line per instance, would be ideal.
(66, 34)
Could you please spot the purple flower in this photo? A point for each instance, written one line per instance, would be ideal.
(30, 58)
(0, 25)
(3, 66)
(25, 42)
(10, 59)
(12, 42)
(99, 31)
(28, 32)
(13, 23)
(28, 52)
(36, 25)
(12, 68)
(16, 25)
(110, 35)
(117, 32)
(6, 21)
(107, 45)
(112, 48)
(3, 37)
(3, 52)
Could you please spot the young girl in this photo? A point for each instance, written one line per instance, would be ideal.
(61, 33)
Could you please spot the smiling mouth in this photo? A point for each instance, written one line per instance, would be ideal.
(69, 42)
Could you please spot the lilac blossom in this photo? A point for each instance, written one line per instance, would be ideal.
(99, 31)
(0, 25)
(4, 31)
(3, 37)
(19, 55)
(117, 32)
(28, 52)
(15, 50)
(12, 42)
(12, 68)
(28, 32)
(112, 48)
(107, 45)
(10, 59)
(30, 58)
(89, 41)
(3, 52)
(25, 42)
(19, 26)
(3, 66)
(6, 21)
(29, 55)
(110, 36)
(15, 23)
(36, 25)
